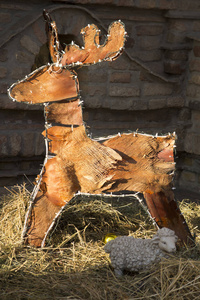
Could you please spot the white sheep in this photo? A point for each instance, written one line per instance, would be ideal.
(131, 254)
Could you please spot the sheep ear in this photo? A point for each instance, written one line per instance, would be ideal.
(155, 239)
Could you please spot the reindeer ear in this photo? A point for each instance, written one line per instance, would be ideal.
(52, 38)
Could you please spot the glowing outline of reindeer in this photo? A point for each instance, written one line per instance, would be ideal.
(57, 81)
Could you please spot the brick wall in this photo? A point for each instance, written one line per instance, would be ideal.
(153, 87)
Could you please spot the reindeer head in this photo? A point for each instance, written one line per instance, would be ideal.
(58, 81)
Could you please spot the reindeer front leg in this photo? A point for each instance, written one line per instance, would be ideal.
(42, 217)
(58, 185)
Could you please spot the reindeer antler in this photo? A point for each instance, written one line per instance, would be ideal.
(93, 52)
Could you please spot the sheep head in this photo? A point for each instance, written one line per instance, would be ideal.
(166, 239)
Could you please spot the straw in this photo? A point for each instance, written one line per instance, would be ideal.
(73, 265)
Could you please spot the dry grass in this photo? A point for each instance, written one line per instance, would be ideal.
(74, 265)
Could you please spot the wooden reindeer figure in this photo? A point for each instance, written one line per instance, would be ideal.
(74, 163)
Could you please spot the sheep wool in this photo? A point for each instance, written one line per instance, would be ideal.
(131, 254)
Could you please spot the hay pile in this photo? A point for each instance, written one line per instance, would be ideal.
(73, 265)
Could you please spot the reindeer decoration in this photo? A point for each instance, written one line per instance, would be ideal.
(74, 163)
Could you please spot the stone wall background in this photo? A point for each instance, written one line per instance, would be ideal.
(154, 87)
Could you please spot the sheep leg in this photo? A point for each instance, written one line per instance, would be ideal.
(118, 272)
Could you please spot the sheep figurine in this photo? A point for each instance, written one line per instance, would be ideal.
(131, 254)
